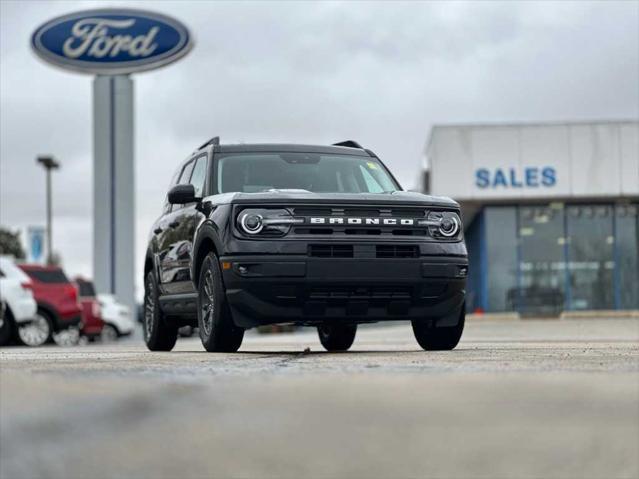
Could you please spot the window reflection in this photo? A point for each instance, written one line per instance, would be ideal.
(627, 237)
(542, 264)
(591, 261)
(501, 249)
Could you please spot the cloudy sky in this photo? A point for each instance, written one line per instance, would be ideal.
(381, 73)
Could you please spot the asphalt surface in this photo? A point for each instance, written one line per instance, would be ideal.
(516, 399)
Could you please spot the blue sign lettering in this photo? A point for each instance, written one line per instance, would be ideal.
(530, 177)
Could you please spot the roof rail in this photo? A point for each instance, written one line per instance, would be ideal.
(349, 144)
(215, 141)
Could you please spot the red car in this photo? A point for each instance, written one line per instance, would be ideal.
(56, 296)
(92, 323)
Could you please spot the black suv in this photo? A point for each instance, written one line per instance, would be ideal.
(312, 235)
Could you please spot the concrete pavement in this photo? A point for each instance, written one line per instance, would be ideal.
(516, 399)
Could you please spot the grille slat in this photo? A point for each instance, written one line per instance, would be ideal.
(330, 250)
(397, 251)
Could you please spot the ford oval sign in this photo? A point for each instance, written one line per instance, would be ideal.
(111, 41)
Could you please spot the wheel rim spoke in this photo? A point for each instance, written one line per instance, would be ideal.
(207, 302)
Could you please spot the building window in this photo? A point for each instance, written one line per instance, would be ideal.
(627, 255)
(501, 251)
(541, 259)
(542, 265)
(590, 256)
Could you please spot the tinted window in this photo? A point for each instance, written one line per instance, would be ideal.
(85, 288)
(255, 172)
(48, 276)
(198, 176)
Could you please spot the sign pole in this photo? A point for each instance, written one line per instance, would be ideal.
(113, 183)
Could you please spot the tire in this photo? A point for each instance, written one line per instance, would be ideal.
(159, 334)
(6, 327)
(36, 332)
(431, 338)
(218, 332)
(109, 333)
(337, 337)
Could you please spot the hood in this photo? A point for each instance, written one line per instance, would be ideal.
(303, 196)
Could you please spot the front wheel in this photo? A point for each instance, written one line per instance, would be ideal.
(109, 333)
(431, 338)
(159, 335)
(218, 332)
(337, 337)
(36, 332)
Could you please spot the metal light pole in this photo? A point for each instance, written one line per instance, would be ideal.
(49, 163)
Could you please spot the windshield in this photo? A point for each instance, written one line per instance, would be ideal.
(318, 173)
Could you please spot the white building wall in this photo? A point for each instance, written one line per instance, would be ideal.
(477, 162)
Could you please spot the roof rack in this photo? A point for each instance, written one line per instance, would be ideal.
(349, 144)
(215, 141)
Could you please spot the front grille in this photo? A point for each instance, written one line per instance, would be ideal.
(397, 251)
(330, 250)
(346, 212)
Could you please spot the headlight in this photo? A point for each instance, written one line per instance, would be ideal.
(266, 222)
(251, 223)
(443, 224)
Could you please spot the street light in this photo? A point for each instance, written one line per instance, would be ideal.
(49, 163)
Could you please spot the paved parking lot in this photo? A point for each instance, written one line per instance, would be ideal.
(516, 399)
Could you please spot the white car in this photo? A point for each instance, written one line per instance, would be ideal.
(16, 294)
(117, 318)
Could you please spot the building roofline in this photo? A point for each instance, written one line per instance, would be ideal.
(497, 124)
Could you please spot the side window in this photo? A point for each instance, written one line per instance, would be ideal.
(199, 176)
(174, 180)
(186, 174)
(183, 180)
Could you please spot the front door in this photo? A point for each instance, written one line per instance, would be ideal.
(180, 230)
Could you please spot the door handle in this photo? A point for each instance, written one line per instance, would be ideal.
(157, 231)
(174, 224)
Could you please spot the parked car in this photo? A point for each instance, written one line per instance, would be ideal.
(311, 235)
(92, 323)
(116, 316)
(58, 309)
(18, 305)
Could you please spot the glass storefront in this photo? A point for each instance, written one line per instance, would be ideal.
(542, 259)
(501, 251)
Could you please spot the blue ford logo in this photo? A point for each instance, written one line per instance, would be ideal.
(111, 41)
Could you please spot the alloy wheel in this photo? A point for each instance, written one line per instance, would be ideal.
(35, 332)
(207, 302)
(149, 309)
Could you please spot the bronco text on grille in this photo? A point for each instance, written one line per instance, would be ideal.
(310, 235)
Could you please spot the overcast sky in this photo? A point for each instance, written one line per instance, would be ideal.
(380, 73)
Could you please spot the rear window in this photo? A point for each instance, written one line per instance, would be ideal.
(48, 276)
(85, 288)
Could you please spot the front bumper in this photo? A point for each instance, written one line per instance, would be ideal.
(283, 289)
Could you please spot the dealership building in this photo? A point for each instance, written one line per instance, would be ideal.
(551, 212)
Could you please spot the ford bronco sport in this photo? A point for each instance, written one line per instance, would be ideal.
(322, 236)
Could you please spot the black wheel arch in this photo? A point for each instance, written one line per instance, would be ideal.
(50, 311)
(207, 240)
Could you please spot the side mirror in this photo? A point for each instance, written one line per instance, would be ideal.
(182, 194)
